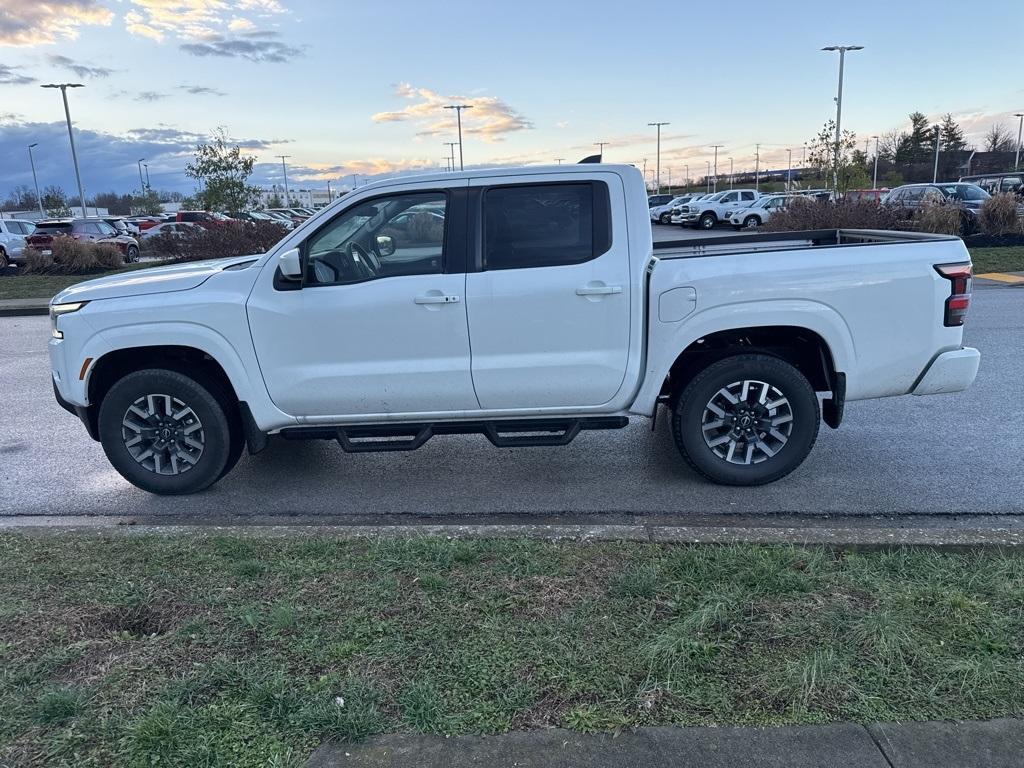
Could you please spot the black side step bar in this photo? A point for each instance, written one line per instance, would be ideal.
(365, 438)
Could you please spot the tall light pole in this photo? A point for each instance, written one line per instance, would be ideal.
(645, 170)
(687, 177)
(839, 103)
(657, 174)
(670, 181)
(71, 136)
(35, 181)
(284, 169)
(600, 147)
(451, 149)
(757, 167)
(938, 144)
(789, 170)
(330, 197)
(716, 147)
(707, 177)
(874, 180)
(142, 184)
(1020, 126)
(149, 187)
(559, 160)
(458, 113)
(732, 176)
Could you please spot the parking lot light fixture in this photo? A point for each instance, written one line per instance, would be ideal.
(451, 150)
(707, 177)
(657, 173)
(687, 178)
(732, 176)
(874, 180)
(789, 170)
(839, 103)
(938, 144)
(142, 184)
(757, 167)
(74, 156)
(284, 170)
(716, 147)
(600, 148)
(458, 113)
(559, 160)
(35, 181)
(149, 187)
(1020, 127)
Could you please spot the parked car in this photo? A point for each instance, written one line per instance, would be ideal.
(173, 228)
(968, 197)
(662, 213)
(867, 194)
(707, 212)
(202, 218)
(143, 223)
(572, 319)
(12, 240)
(994, 183)
(653, 200)
(287, 221)
(90, 229)
(121, 224)
(758, 212)
(677, 213)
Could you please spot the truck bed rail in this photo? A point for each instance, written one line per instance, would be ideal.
(787, 241)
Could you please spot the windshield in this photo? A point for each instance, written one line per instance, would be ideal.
(964, 192)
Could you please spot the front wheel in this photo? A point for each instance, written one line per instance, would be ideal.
(750, 419)
(665, 219)
(165, 432)
(751, 222)
(708, 221)
(133, 254)
(4, 261)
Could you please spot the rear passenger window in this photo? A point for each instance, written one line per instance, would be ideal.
(545, 225)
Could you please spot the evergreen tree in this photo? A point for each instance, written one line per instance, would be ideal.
(952, 134)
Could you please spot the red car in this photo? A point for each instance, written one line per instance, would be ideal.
(93, 230)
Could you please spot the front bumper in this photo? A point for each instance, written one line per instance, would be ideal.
(949, 372)
(81, 411)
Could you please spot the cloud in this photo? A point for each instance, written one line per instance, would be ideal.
(201, 90)
(562, 124)
(196, 21)
(253, 46)
(27, 22)
(11, 76)
(150, 96)
(490, 117)
(82, 70)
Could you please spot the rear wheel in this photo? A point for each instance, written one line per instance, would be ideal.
(165, 432)
(746, 420)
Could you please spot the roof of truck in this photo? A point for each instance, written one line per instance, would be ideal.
(507, 170)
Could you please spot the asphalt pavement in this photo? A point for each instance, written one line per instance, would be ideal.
(939, 455)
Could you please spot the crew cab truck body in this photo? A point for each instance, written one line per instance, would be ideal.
(525, 304)
(707, 212)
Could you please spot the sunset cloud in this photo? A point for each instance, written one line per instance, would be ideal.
(490, 118)
(32, 23)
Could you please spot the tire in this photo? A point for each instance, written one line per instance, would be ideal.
(707, 221)
(765, 458)
(4, 261)
(128, 412)
(664, 219)
(751, 221)
(132, 255)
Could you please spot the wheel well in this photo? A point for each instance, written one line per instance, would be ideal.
(115, 365)
(804, 349)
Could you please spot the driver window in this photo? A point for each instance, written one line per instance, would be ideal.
(383, 237)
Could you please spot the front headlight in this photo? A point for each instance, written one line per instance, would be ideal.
(56, 310)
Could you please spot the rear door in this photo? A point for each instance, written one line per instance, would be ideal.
(549, 302)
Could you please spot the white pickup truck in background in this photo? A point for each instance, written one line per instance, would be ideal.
(706, 212)
(525, 304)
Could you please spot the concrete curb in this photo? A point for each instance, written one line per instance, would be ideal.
(993, 744)
(851, 537)
(24, 307)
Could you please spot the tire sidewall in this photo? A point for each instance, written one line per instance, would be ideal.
(707, 221)
(208, 409)
(689, 410)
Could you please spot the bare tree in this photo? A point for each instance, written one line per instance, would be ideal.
(999, 139)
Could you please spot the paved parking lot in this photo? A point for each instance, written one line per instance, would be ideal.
(960, 453)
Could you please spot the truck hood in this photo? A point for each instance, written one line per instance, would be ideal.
(177, 277)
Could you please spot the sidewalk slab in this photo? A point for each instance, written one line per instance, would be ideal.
(990, 744)
(842, 745)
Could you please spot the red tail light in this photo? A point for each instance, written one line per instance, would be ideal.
(960, 277)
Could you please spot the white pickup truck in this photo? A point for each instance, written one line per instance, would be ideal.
(706, 212)
(525, 304)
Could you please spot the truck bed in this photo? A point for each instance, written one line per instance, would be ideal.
(787, 241)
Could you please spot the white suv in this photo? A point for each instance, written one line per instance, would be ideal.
(12, 240)
(709, 211)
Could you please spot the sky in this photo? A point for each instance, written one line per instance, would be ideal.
(348, 87)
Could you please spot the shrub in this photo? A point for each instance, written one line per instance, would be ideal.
(940, 218)
(235, 238)
(805, 213)
(72, 257)
(998, 215)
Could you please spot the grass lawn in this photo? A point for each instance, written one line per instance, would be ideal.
(239, 651)
(997, 260)
(18, 286)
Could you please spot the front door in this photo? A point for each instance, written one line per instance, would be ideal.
(549, 308)
(379, 324)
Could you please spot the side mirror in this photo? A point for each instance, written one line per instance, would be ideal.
(385, 245)
(290, 264)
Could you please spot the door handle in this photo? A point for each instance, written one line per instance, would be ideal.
(598, 290)
(437, 299)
